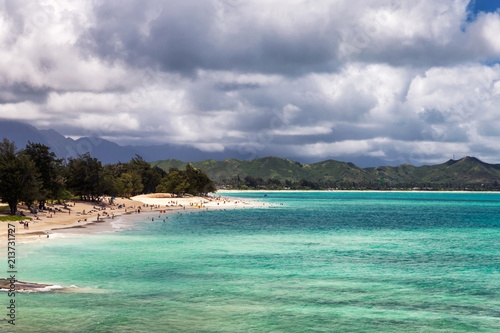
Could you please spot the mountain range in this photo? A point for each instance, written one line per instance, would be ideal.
(111, 152)
(104, 150)
(468, 170)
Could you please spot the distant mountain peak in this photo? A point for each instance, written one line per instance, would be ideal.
(471, 159)
(466, 159)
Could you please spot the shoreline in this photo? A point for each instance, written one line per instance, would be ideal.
(65, 223)
(348, 191)
(83, 214)
(61, 222)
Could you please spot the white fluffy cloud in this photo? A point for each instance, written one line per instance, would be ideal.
(394, 80)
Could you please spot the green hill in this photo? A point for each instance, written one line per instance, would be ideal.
(267, 167)
(468, 170)
(274, 167)
(331, 170)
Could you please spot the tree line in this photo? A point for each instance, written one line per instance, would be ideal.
(258, 183)
(35, 175)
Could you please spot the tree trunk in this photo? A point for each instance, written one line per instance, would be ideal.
(13, 208)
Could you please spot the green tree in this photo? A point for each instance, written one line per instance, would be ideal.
(199, 182)
(84, 175)
(31, 185)
(18, 176)
(131, 183)
(50, 170)
(108, 182)
(175, 182)
(191, 180)
(64, 195)
(273, 183)
(150, 177)
(250, 181)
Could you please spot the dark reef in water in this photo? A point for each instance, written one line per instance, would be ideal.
(27, 286)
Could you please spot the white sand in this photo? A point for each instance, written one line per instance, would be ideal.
(192, 202)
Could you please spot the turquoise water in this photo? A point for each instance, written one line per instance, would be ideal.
(321, 262)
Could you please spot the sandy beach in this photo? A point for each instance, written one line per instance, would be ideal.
(81, 214)
(75, 214)
(160, 199)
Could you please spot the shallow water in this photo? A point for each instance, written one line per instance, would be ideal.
(332, 262)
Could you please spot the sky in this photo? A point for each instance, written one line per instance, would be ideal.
(357, 80)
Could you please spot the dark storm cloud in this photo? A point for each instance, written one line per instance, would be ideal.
(489, 129)
(235, 86)
(22, 91)
(433, 117)
(403, 132)
(183, 36)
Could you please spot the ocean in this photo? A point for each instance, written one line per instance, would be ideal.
(309, 262)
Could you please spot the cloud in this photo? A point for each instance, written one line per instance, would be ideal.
(299, 79)
(291, 38)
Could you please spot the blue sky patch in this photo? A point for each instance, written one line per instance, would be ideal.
(486, 6)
